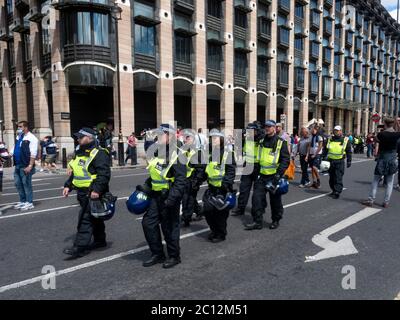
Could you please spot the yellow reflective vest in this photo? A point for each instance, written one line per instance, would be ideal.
(158, 170)
(189, 169)
(251, 150)
(82, 178)
(216, 171)
(269, 158)
(337, 149)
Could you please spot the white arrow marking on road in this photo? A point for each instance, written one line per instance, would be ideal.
(344, 246)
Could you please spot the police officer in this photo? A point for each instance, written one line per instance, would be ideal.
(194, 172)
(90, 176)
(167, 184)
(220, 175)
(254, 134)
(274, 159)
(337, 150)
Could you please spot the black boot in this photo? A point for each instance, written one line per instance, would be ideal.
(76, 252)
(253, 226)
(274, 225)
(335, 195)
(237, 212)
(218, 238)
(97, 245)
(171, 262)
(211, 236)
(154, 260)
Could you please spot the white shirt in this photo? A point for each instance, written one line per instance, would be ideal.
(33, 143)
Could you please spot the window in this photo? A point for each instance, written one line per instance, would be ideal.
(145, 40)
(214, 57)
(27, 47)
(262, 69)
(11, 53)
(299, 44)
(299, 78)
(348, 91)
(338, 89)
(283, 73)
(183, 49)
(299, 11)
(326, 86)
(10, 7)
(240, 18)
(100, 29)
(214, 8)
(282, 20)
(356, 96)
(313, 82)
(46, 44)
(240, 63)
(83, 32)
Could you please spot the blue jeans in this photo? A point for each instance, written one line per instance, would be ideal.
(370, 150)
(23, 183)
(388, 188)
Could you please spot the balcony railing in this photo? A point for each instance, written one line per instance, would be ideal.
(81, 52)
(284, 5)
(186, 6)
(101, 5)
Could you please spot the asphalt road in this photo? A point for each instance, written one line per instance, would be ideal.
(260, 264)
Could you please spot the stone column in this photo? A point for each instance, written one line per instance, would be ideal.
(303, 112)
(271, 101)
(60, 90)
(165, 85)
(251, 97)
(22, 105)
(199, 91)
(290, 92)
(227, 103)
(39, 90)
(125, 73)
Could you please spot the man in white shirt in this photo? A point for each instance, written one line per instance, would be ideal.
(25, 153)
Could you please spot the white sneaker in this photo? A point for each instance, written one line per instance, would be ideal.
(301, 185)
(308, 184)
(27, 206)
(19, 205)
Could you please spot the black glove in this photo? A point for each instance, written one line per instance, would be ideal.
(348, 164)
(143, 188)
(275, 180)
(226, 188)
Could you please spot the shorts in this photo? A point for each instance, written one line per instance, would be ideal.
(314, 162)
(50, 158)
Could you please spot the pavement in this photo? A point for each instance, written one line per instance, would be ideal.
(324, 249)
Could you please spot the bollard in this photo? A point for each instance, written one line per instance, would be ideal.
(64, 158)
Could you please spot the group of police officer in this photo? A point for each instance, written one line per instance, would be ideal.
(176, 172)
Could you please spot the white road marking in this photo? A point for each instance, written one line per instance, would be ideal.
(36, 200)
(35, 185)
(46, 210)
(87, 264)
(344, 246)
(41, 190)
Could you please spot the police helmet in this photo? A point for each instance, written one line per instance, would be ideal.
(138, 202)
(103, 208)
(220, 202)
(283, 187)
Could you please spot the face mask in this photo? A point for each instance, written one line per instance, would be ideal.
(20, 131)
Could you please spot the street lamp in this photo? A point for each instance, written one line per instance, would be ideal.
(116, 15)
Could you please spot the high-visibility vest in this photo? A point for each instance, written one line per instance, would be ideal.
(269, 159)
(337, 149)
(189, 169)
(251, 150)
(158, 169)
(216, 171)
(82, 178)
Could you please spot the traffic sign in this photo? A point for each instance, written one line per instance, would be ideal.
(376, 117)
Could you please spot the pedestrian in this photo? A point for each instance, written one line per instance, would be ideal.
(220, 175)
(25, 152)
(194, 172)
(370, 144)
(302, 150)
(132, 150)
(201, 140)
(42, 153)
(284, 135)
(254, 135)
(4, 157)
(51, 150)
(274, 160)
(338, 150)
(90, 175)
(387, 162)
(167, 184)
(314, 155)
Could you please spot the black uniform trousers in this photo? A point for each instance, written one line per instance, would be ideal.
(336, 172)
(168, 218)
(259, 201)
(189, 202)
(216, 219)
(88, 225)
(246, 182)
